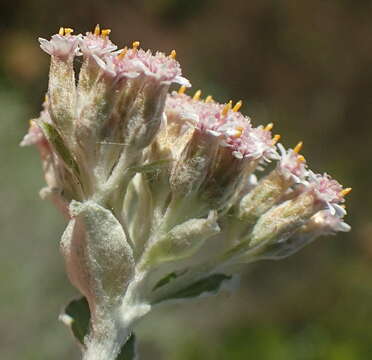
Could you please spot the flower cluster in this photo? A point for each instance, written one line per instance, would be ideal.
(163, 191)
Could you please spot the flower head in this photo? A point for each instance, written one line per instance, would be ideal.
(165, 69)
(96, 43)
(117, 67)
(291, 164)
(233, 129)
(163, 192)
(62, 45)
(133, 62)
(326, 189)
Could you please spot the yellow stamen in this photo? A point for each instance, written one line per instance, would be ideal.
(301, 158)
(123, 53)
(208, 99)
(46, 98)
(97, 30)
(182, 89)
(136, 45)
(239, 129)
(276, 139)
(197, 95)
(173, 54)
(105, 32)
(269, 127)
(61, 31)
(237, 106)
(226, 108)
(345, 191)
(298, 147)
(68, 31)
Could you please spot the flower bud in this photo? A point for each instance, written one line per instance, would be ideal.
(194, 163)
(283, 220)
(146, 115)
(222, 153)
(269, 190)
(92, 46)
(62, 47)
(322, 223)
(182, 240)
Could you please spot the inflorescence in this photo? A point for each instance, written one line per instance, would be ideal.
(160, 185)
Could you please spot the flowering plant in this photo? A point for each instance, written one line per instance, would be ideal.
(161, 190)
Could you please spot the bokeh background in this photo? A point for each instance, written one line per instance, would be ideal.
(304, 65)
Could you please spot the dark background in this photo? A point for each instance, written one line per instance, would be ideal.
(304, 65)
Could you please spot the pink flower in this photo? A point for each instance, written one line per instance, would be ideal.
(181, 106)
(117, 67)
(234, 129)
(98, 45)
(291, 164)
(62, 45)
(131, 63)
(257, 144)
(328, 223)
(325, 188)
(164, 69)
(34, 135)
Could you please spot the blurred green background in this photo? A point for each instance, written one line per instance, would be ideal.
(304, 65)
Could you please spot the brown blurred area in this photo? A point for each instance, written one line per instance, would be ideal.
(304, 65)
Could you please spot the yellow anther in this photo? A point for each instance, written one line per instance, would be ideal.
(226, 108)
(301, 158)
(237, 106)
(276, 138)
(68, 31)
(298, 147)
(208, 99)
(197, 95)
(123, 53)
(61, 31)
(136, 45)
(182, 89)
(97, 30)
(46, 98)
(239, 130)
(173, 54)
(345, 191)
(269, 127)
(105, 32)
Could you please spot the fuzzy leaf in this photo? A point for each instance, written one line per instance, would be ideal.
(77, 316)
(208, 285)
(99, 269)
